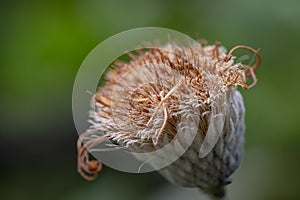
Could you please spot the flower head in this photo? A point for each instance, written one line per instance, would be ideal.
(142, 106)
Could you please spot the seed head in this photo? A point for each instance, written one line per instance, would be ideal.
(144, 104)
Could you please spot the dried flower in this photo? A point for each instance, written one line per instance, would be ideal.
(142, 105)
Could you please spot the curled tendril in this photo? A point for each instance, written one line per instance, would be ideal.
(87, 167)
(249, 69)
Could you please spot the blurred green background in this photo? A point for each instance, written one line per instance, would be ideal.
(42, 45)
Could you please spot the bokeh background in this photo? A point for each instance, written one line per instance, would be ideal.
(42, 45)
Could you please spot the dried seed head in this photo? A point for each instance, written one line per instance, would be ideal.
(143, 104)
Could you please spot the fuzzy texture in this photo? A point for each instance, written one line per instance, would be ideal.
(143, 104)
(212, 172)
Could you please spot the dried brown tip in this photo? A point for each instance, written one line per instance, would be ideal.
(250, 69)
(203, 42)
(216, 49)
(88, 168)
(197, 36)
